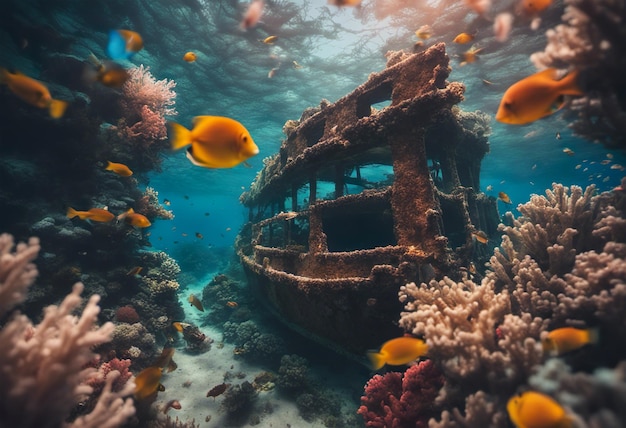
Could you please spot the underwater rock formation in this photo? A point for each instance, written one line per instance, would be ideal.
(378, 195)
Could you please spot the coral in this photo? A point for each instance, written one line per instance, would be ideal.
(459, 322)
(558, 265)
(591, 39)
(42, 371)
(127, 314)
(145, 102)
(293, 374)
(599, 398)
(17, 272)
(195, 339)
(160, 266)
(238, 399)
(397, 400)
(254, 344)
(149, 205)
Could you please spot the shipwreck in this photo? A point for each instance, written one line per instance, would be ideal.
(366, 194)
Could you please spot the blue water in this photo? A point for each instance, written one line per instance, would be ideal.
(337, 49)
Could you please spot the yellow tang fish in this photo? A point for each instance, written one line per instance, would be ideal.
(216, 141)
(33, 92)
(94, 214)
(134, 219)
(398, 351)
(536, 96)
(190, 57)
(463, 38)
(535, 410)
(119, 169)
(195, 302)
(567, 339)
(471, 55)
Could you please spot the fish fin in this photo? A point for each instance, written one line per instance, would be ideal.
(109, 166)
(594, 335)
(195, 161)
(116, 48)
(71, 212)
(57, 108)
(548, 73)
(377, 360)
(197, 119)
(179, 135)
(569, 85)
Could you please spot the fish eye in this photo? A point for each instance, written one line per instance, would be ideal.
(245, 138)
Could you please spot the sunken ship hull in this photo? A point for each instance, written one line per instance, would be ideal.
(365, 195)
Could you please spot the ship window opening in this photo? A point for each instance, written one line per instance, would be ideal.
(378, 98)
(325, 190)
(359, 230)
(453, 222)
(371, 176)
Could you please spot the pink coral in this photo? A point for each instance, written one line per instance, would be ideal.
(145, 103)
(396, 401)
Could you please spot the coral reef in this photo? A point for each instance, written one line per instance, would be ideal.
(558, 265)
(43, 376)
(252, 343)
(239, 400)
(402, 400)
(590, 39)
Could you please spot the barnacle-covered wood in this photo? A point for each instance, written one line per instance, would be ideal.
(413, 227)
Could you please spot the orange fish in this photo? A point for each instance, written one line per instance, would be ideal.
(504, 198)
(94, 214)
(252, 15)
(536, 96)
(190, 57)
(341, 3)
(216, 142)
(464, 38)
(398, 351)
(471, 55)
(134, 219)
(123, 44)
(270, 40)
(147, 382)
(199, 235)
(108, 73)
(480, 236)
(195, 302)
(535, 7)
(232, 304)
(567, 339)
(180, 326)
(424, 32)
(536, 410)
(134, 271)
(119, 169)
(33, 92)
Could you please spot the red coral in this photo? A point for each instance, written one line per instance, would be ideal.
(127, 314)
(397, 401)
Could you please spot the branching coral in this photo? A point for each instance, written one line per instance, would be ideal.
(42, 367)
(558, 265)
(591, 40)
(398, 401)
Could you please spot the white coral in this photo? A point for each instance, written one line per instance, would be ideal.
(42, 366)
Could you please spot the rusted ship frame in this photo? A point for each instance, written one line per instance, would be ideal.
(331, 265)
